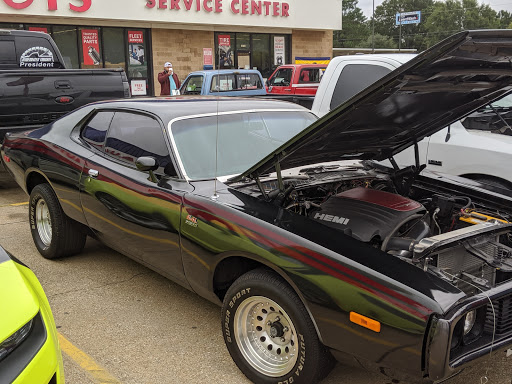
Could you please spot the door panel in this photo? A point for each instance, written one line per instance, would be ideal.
(133, 215)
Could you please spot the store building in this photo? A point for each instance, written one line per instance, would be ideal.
(141, 35)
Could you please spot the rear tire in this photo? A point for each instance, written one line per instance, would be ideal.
(55, 235)
(269, 333)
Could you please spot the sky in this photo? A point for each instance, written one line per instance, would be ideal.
(498, 5)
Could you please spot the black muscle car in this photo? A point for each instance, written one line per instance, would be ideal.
(312, 247)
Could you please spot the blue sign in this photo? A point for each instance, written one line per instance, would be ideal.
(408, 18)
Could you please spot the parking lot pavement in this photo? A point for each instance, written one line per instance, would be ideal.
(126, 324)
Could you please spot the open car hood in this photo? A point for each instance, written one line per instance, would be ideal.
(438, 87)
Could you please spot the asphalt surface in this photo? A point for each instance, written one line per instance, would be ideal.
(140, 328)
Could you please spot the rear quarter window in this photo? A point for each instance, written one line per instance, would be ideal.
(353, 79)
(7, 52)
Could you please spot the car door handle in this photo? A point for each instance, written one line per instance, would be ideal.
(63, 84)
(93, 173)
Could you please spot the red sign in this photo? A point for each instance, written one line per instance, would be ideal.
(207, 56)
(38, 29)
(52, 5)
(224, 41)
(91, 47)
(243, 7)
(135, 37)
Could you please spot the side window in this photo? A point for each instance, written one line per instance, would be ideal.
(133, 135)
(353, 79)
(248, 81)
(36, 52)
(223, 83)
(283, 77)
(96, 129)
(192, 86)
(310, 75)
(8, 55)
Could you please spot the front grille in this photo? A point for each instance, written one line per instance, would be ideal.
(503, 309)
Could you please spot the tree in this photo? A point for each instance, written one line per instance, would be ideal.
(380, 41)
(505, 19)
(453, 16)
(354, 26)
(412, 34)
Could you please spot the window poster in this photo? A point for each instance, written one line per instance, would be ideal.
(139, 87)
(225, 54)
(136, 47)
(38, 29)
(279, 50)
(91, 47)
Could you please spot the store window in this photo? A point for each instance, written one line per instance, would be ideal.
(113, 48)
(261, 51)
(66, 39)
(101, 47)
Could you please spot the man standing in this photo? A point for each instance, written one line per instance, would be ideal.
(169, 81)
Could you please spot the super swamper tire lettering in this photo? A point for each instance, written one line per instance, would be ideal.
(54, 234)
(269, 333)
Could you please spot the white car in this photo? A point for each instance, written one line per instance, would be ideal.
(472, 149)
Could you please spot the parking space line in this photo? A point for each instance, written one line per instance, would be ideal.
(14, 205)
(96, 372)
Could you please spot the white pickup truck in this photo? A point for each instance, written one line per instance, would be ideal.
(478, 147)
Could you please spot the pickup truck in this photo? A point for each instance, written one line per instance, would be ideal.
(478, 147)
(296, 79)
(36, 88)
(295, 83)
(224, 82)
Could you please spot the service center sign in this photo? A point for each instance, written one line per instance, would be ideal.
(251, 13)
(243, 7)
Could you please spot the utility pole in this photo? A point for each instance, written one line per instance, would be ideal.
(373, 28)
(400, 33)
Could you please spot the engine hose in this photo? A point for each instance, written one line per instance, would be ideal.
(397, 228)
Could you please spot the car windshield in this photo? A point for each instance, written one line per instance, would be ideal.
(243, 139)
(496, 117)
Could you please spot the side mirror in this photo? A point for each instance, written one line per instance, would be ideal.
(146, 164)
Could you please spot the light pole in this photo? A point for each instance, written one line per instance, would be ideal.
(373, 27)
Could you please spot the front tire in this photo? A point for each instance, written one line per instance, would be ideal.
(269, 333)
(55, 235)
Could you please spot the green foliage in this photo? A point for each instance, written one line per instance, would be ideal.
(354, 26)
(380, 41)
(412, 34)
(453, 16)
(440, 19)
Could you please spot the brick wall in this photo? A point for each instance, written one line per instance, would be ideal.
(311, 44)
(183, 48)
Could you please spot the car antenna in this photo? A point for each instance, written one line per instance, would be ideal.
(215, 195)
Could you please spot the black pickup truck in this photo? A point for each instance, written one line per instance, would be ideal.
(36, 88)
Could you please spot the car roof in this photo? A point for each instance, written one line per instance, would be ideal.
(224, 71)
(400, 57)
(169, 108)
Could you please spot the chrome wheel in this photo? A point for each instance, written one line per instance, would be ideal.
(266, 336)
(44, 222)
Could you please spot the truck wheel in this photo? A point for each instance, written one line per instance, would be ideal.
(54, 234)
(269, 333)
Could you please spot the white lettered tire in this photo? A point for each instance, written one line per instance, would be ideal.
(269, 333)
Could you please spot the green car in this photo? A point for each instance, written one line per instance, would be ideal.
(29, 347)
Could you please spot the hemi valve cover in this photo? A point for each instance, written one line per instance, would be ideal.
(366, 213)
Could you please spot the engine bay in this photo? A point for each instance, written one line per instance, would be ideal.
(385, 210)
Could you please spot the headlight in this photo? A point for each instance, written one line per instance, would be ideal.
(15, 339)
(469, 321)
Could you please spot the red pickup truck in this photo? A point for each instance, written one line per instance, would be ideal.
(297, 79)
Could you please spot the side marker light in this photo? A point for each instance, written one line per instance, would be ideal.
(365, 322)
